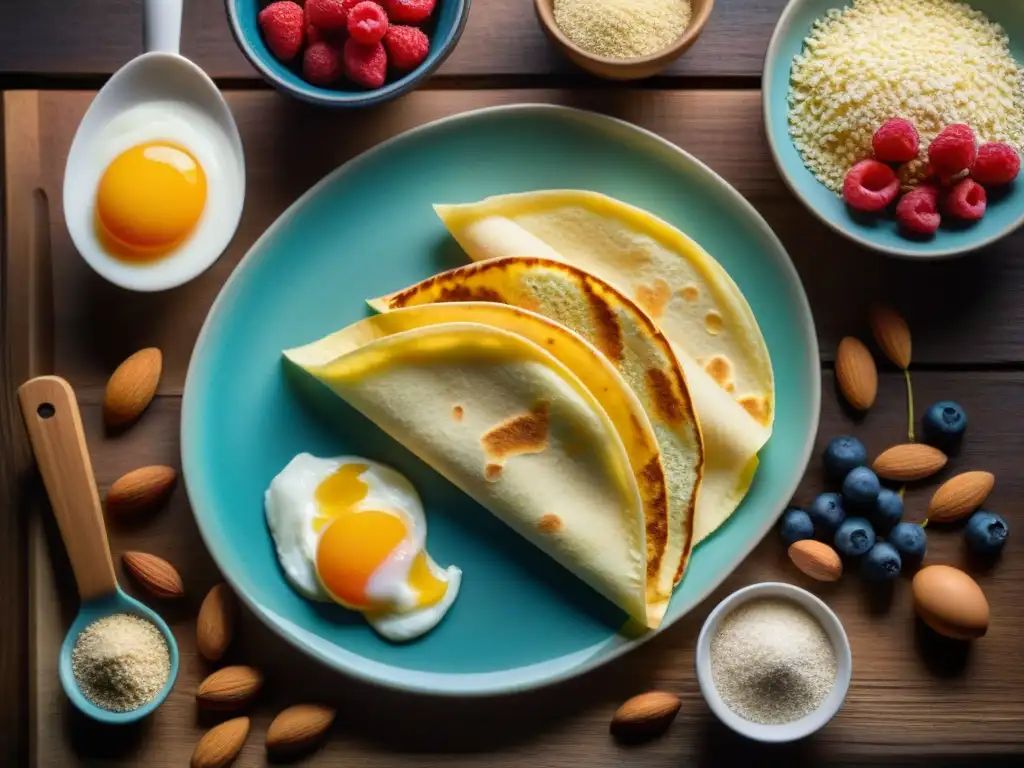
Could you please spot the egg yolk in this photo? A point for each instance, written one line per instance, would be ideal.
(354, 543)
(149, 200)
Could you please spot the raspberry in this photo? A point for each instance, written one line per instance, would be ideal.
(321, 64)
(953, 151)
(365, 65)
(407, 47)
(409, 11)
(918, 211)
(997, 164)
(896, 141)
(967, 201)
(870, 186)
(367, 23)
(282, 24)
(329, 14)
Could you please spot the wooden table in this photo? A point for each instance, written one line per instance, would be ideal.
(913, 701)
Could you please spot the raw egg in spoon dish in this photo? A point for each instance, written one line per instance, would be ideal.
(155, 179)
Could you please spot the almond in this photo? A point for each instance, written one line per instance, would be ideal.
(645, 716)
(298, 728)
(909, 462)
(132, 386)
(817, 560)
(159, 577)
(230, 687)
(960, 496)
(140, 489)
(220, 746)
(892, 335)
(216, 623)
(856, 373)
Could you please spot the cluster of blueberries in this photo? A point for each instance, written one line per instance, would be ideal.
(856, 519)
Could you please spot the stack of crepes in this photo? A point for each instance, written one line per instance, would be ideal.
(594, 379)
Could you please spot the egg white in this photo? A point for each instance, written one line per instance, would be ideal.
(291, 508)
(178, 123)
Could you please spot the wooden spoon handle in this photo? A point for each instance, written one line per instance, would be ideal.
(54, 425)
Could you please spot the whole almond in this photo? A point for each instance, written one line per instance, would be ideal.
(220, 745)
(132, 386)
(159, 577)
(140, 489)
(229, 688)
(856, 373)
(892, 335)
(645, 716)
(298, 728)
(817, 560)
(960, 496)
(216, 623)
(909, 462)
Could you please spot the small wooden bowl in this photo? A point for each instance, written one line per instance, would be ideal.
(624, 69)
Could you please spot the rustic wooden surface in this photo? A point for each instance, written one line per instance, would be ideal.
(913, 701)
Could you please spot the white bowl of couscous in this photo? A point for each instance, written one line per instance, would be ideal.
(835, 71)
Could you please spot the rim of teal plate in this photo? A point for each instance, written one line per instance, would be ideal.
(552, 671)
(771, 62)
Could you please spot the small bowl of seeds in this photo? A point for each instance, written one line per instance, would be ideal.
(623, 39)
(773, 662)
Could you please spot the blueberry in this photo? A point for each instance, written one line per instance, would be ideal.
(855, 537)
(881, 563)
(986, 532)
(910, 541)
(888, 510)
(861, 488)
(796, 526)
(843, 454)
(827, 512)
(944, 424)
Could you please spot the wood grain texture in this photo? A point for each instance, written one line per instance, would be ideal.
(967, 311)
(914, 699)
(502, 38)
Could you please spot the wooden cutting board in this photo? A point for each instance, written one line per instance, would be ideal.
(914, 699)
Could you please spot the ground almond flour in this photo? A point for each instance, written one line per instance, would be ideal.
(121, 662)
(622, 29)
(933, 62)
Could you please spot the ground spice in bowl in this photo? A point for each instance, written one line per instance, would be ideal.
(772, 662)
(121, 662)
(622, 29)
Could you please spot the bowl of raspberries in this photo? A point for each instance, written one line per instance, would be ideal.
(347, 53)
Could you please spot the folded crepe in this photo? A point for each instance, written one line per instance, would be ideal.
(688, 294)
(526, 418)
(628, 340)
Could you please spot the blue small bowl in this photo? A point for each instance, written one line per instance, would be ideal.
(881, 233)
(445, 29)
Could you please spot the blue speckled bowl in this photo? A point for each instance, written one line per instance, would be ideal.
(1005, 211)
(445, 29)
(520, 620)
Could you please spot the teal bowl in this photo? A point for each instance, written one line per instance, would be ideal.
(520, 620)
(108, 605)
(445, 29)
(1005, 211)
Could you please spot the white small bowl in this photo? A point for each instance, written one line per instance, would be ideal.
(806, 725)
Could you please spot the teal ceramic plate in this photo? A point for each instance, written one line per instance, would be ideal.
(520, 620)
(1005, 212)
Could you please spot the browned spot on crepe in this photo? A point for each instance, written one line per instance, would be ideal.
(606, 326)
(689, 292)
(457, 412)
(549, 523)
(665, 399)
(452, 293)
(714, 323)
(756, 406)
(653, 298)
(526, 433)
(719, 369)
(492, 472)
(652, 490)
(551, 341)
